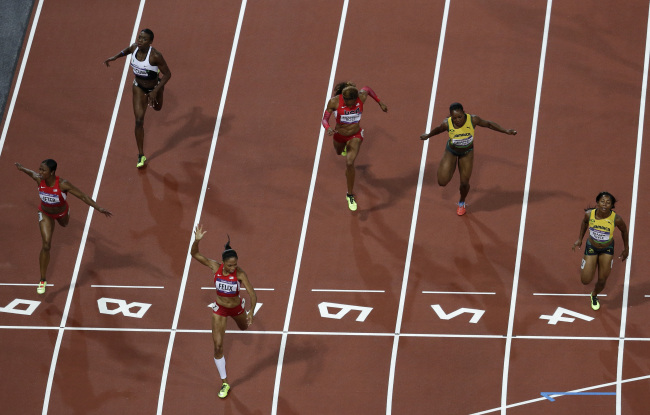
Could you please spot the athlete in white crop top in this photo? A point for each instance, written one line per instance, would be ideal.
(151, 74)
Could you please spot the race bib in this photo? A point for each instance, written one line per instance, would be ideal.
(598, 235)
(49, 198)
(350, 118)
(227, 287)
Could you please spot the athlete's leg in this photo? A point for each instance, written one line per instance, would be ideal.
(446, 168)
(218, 333)
(353, 149)
(46, 224)
(241, 320)
(588, 268)
(64, 220)
(338, 147)
(139, 109)
(465, 166)
(604, 269)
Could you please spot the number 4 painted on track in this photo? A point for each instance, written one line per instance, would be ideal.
(560, 312)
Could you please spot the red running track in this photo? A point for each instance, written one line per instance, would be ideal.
(278, 192)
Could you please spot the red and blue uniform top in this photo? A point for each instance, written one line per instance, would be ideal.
(227, 285)
(52, 196)
(349, 115)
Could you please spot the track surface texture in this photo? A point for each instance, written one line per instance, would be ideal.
(401, 307)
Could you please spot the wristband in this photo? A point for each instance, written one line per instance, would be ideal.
(326, 118)
(121, 53)
(371, 93)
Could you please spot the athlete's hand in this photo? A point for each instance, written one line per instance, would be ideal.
(331, 131)
(624, 254)
(199, 232)
(383, 107)
(105, 212)
(576, 244)
(109, 60)
(425, 137)
(151, 98)
(249, 317)
(511, 132)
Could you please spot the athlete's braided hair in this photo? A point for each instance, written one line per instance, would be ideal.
(149, 32)
(611, 197)
(456, 106)
(228, 251)
(338, 89)
(51, 164)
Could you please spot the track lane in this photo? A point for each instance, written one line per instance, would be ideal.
(592, 66)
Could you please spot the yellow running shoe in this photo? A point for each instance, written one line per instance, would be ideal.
(225, 388)
(141, 160)
(345, 151)
(41, 287)
(352, 204)
(595, 304)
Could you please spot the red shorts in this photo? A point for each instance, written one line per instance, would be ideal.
(228, 312)
(345, 138)
(55, 215)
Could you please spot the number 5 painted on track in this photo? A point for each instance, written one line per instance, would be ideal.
(344, 309)
(444, 316)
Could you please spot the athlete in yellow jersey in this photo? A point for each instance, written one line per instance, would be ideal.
(459, 148)
(599, 250)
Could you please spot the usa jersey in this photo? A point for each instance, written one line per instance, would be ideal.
(52, 196)
(348, 115)
(226, 285)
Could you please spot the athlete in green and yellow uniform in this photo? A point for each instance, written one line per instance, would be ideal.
(459, 148)
(599, 250)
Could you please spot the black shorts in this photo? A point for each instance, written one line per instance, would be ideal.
(457, 153)
(595, 250)
(146, 90)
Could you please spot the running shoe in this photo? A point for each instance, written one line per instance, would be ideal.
(345, 151)
(225, 388)
(461, 209)
(141, 160)
(41, 287)
(595, 304)
(352, 204)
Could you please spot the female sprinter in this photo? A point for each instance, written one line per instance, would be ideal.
(227, 279)
(148, 87)
(347, 104)
(599, 251)
(53, 192)
(460, 148)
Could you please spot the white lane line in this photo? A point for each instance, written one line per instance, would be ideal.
(125, 286)
(568, 295)
(199, 209)
(256, 289)
(328, 333)
(635, 191)
(458, 292)
(416, 208)
(325, 290)
(604, 385)
(82, 245)
(305, 221)
(21, 72)
(23, 285)
(524, 209)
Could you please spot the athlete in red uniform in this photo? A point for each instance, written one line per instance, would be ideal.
(53, 193)
(227, 279)
(347, 104)
(148, 88)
